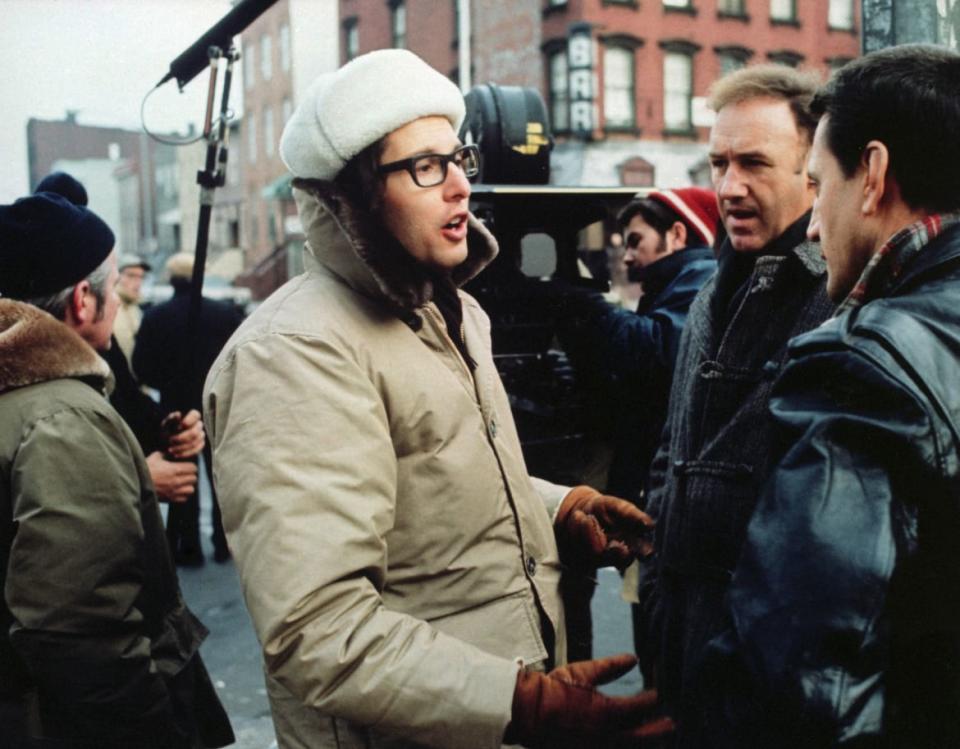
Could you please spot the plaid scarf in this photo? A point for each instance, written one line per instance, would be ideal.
(887, 264)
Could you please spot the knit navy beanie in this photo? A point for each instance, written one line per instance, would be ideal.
(63, 184)
(47, 244)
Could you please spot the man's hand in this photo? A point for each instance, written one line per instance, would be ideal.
(594, 530)
(173, 481)
(563, 709)
(183, 436)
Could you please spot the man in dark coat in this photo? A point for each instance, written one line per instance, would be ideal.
(668, 239)
(161, 360)
(769, 287)
(97, 647)
(844, 606)
(164, 443)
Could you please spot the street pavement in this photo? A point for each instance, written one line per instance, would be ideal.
(232, 654)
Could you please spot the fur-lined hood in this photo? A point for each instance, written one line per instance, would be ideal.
(35, 347)
(341, 238)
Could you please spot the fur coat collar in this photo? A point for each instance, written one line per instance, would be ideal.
(345, 240)
(35, 347)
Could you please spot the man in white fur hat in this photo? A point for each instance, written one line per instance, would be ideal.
(399, 564)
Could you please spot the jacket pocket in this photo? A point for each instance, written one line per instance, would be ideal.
(507, 627)
(718, 499)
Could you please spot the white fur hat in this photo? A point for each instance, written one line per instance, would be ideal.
(372, 95)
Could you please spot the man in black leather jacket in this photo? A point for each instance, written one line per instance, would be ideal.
(844, 626)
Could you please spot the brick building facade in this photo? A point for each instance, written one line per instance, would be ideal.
(625, 81)
(51, 141)
(282, 51)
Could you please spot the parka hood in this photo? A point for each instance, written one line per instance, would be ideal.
(345, 240)
(35, 347)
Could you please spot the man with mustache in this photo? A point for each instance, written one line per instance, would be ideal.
(769, 287)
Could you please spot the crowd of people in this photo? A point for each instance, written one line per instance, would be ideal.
(785, 471)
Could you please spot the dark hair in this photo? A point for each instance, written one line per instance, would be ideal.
(908, 98)
(360, 181)
(655, 213)
(796, 87)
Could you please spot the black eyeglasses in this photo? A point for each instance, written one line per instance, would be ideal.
(430, 169)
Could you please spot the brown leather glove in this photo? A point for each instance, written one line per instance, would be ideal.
(595, 530)
(563, 709)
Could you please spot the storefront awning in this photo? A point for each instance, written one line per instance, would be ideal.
(279, 189)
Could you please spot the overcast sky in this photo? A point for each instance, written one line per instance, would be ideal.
(99, 57)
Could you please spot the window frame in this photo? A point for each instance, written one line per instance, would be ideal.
(789, 20)
(852, 16)
(685, 49)
(398, 24)
(628, 45)
(351, 38)
(266, 57)
(558, 100)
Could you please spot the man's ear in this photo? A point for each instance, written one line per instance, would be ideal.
(875, 162)
(677, 235)
(82, 304)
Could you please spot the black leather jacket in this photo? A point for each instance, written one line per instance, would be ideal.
(845, 606)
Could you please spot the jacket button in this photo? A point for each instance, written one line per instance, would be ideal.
(531, 566)
(493, 428)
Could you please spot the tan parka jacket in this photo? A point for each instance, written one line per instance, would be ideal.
(395, 556)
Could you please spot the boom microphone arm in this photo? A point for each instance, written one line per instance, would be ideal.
(195, 58)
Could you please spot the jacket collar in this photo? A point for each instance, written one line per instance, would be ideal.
(942, 250)
(343, 239)
(660, 273)
(35, 347)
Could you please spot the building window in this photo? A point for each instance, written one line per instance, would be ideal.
(732, 57)
(266, 57)
(351, 39)
(786, 57)
(731, 8)
(251, 138)
(637, 172)
(783, 10)
(729, 63)
(618, 88)
(676, 4)
(398, 25)
(677, 91)
(285, 48)
(840, 15)
(835, 63)
(268, 131)
(249, 66)
(559, 92)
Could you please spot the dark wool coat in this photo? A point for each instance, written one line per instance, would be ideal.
(97, 647)
(160, 354)
(709, 469)
(641, 350)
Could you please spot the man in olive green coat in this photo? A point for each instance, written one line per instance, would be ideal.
(97, 647)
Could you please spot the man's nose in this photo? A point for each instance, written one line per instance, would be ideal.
(731, 185)
(456, 186)
(813, 229)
